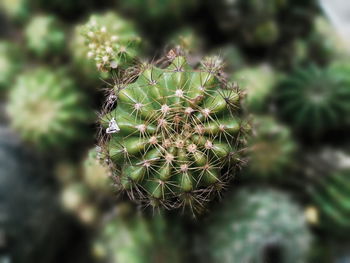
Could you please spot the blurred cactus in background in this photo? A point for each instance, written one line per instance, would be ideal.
(256, 225)
(45, 36)
(46, 108)
(258, 83)
(11, 62)
(175, 134)
(272, 149)
(17, 10)
(315, 100)
(111, 42)
(134, 239)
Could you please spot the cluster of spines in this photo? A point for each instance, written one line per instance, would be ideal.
(174, 133)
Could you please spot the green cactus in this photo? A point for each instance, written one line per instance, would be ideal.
(11, 63)
(174, 134)
(110, 41)
(32, 226)
(256, 226)
(18, 10)
(314, 100)
(329, 190)
(136, 239)
(331, 195)
(45, 36)
(46, 109)
(271, 149)
(258, 83)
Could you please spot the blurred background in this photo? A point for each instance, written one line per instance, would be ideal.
(289, 203)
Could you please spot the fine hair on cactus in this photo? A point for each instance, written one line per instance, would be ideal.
(174, 134)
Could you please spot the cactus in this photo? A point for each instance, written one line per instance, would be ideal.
(271, 149)
(329, 190)
(174, 134)
(314, 100)
(110, 41)
(46, 109)
(136, 239)
(32, 226)
(256, 226)
(10, 63)
(258, 83)
(45, 36)
(18, 10)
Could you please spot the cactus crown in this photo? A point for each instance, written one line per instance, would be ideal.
(44, 35)
(315, 100)
(112, 41)
(172, 133)
(46, 109)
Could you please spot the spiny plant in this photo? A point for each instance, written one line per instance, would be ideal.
(10, 63)
(256, 225)
(32, 226)
(133, 238)
(46, 108)
(174, 137)
(18, 10)
(45, 36)
(255, 22)
(329, 190)
(258, 83)
(271, 148)
(315, 100)
(110, 41)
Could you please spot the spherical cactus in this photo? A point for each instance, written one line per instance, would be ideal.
(18, 10)
(135, 239)
(329, 190)
(96, 174)
(46, 109)
(258, 83)
(110, 41)
(45, 36)
(175, 133)
(256, 226)
(313, 100)
(10, 63)
(32, 226)
(271, 149)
